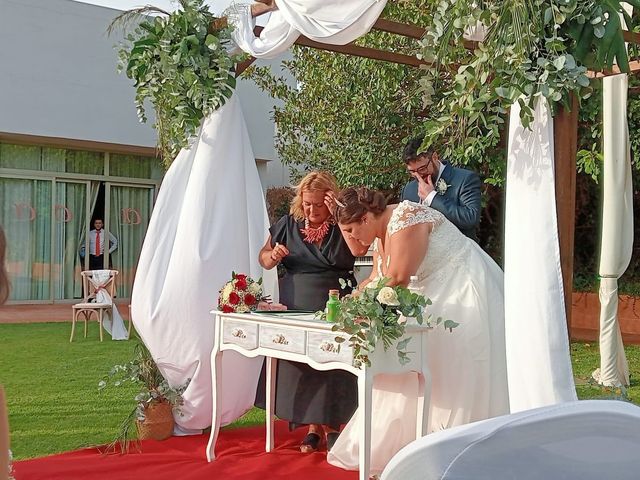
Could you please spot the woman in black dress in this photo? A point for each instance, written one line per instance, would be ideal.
(315, 256)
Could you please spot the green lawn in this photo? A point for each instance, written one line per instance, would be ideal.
(54, 403)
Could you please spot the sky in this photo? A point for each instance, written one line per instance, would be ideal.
(217, 6)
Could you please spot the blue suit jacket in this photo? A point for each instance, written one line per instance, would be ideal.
(461, 203)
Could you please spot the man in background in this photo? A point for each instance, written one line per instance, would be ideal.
(454, 192)
(97, 245)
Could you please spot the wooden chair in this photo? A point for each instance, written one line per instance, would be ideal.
(87, 307)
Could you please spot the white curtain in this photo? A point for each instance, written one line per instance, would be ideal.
(209, 220)
(617, 229)
(336, 22)
(538, 361)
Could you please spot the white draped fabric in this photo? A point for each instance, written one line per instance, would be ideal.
(336, 22)
(617, 228)
(586, 440)
(113, 324)
(538, 361)
(209, 220)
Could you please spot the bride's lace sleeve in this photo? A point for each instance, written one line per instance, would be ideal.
(407, 214)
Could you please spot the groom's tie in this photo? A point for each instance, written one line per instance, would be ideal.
(97, 243)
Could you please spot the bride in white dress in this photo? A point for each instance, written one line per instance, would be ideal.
(468, 365)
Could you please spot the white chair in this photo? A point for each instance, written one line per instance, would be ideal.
(87, 306)
(583, 440)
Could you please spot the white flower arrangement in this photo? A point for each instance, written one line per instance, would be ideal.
(388, 296)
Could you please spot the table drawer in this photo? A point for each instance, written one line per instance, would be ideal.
(282, 338)
(240, 333)
(322, 347)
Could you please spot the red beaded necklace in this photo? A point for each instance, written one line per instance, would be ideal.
(314, 234)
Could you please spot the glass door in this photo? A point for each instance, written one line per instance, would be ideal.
(25, 215)
(70, 220)
(128, 211)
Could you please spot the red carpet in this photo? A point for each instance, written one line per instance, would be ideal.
(239, 455)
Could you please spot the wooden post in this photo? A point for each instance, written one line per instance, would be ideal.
(565, 142)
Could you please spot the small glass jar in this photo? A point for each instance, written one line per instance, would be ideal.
(333, 305)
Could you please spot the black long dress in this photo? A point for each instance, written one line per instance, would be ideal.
(305, 395)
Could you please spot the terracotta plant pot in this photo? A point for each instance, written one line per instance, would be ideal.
(158, 422)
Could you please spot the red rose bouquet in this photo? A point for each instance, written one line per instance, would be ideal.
(240, 294)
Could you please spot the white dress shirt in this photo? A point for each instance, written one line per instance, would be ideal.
(113, 243)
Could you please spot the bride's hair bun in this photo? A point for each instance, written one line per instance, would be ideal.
(372, 200)
(355, 203)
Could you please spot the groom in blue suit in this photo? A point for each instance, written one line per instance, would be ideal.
(455, 192)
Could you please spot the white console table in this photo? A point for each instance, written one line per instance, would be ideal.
(302, 338)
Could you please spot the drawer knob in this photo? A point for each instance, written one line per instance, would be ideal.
(238, 333)
(280, 339)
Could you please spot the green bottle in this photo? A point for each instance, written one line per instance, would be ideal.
(333, 305)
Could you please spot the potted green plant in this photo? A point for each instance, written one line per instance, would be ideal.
(155, 402)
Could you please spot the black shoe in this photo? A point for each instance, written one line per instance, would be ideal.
(331, 439)
(310, 443)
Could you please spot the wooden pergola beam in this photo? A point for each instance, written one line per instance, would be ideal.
(355, 50)
(404, 29)
(365, 52)
(634, 67)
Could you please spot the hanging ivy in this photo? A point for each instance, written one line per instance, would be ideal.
(179, 62)
(532, 48)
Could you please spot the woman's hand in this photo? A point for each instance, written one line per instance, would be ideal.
(263, 6)
(330, 201)
(279, 252)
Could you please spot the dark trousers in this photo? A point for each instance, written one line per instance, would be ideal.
(96, 262)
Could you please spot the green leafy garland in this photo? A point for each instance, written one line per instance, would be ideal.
(532, 48)
(377, 316)
(349, 115)
(180, 63)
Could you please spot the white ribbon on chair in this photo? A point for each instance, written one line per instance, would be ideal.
(114, 325)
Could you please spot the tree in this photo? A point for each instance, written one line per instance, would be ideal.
(349, 115)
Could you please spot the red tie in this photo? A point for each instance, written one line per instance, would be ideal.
(97, 243)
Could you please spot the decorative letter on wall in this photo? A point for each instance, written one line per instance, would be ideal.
(63, 214)
(22, 209)
(126, 215)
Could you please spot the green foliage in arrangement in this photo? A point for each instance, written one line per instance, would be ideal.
(377, 316)
(143, 372)
(350, 115)
(180, 64)
(532, 49)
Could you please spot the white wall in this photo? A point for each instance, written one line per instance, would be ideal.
(257, 108)
(58, 74)
(58, 79)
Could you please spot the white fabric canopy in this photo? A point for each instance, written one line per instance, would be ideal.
(538, 362)
(617, 228)
(209, 219)
(586, 440)
(336, 22)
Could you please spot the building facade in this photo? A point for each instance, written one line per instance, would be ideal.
(72, 150)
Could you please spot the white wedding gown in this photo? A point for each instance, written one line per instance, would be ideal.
(468, 365)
